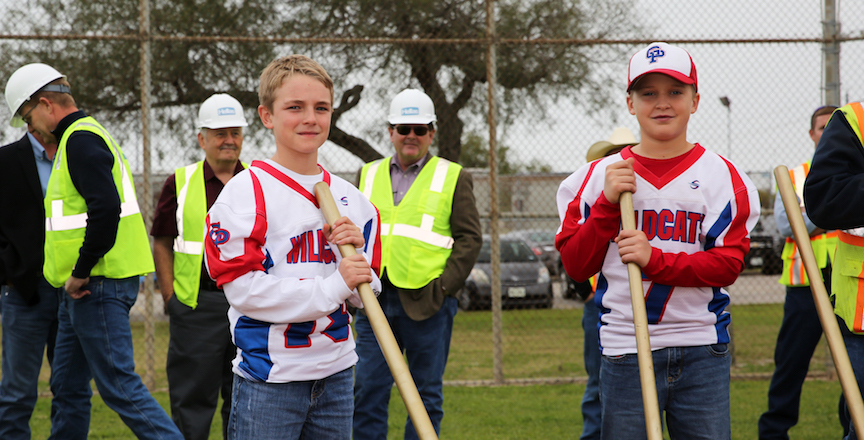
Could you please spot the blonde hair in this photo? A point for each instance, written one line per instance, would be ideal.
(285, 67)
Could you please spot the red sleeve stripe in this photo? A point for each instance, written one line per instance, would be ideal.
(738, 228)
(253, 256)
(571, 219)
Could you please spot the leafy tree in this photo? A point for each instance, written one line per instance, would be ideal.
(450, 72)
(475, 154)
(104, 72)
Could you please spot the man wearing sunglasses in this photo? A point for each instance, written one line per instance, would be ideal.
(430, 238)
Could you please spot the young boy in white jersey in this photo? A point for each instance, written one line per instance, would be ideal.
(694, 210)
(270, 249)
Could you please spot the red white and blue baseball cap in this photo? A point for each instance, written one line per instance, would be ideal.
(662, 58)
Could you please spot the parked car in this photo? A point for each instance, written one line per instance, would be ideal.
(766, 246)
(542, 242)
(572, 289)
(524, 279)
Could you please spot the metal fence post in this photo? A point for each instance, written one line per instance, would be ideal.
(491, 76)
(147, 204)
(831, 53)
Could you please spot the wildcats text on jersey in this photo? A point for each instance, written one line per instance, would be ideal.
(681, 226)
(310, 247)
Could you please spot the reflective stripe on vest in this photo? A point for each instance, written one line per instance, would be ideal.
(847, 278)
(181, 244)
(370, 173)
(129, 206)
(823, 245)
(189, 243)
(847, 282)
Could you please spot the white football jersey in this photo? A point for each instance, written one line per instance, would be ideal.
(698, 212)
(266, 248)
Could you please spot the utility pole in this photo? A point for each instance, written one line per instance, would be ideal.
(831, 54)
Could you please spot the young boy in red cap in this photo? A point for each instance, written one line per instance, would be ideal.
(694, 210)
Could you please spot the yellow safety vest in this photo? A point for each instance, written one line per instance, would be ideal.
(823, 244)
(847, 279)
(415, 236)
(593, 282)
(189, 243)
(66, 218)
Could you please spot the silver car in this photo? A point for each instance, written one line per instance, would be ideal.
(524, 278)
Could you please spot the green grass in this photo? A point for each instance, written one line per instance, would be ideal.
(536, 344)
(527, 412)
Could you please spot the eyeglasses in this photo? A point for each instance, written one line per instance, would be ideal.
(24, 117)
(405, 130)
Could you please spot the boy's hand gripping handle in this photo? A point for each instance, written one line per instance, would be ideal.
(386, 340)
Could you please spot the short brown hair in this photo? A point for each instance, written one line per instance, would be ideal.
(61, 99)
(824, 110)
(283, 68)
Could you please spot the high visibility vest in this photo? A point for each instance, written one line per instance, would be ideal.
(189, 244)
(415, 236)
(66, 218)
(847, 279)
(823, 244)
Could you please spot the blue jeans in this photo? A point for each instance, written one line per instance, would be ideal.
(94, 340)
(27, 331)
(799, 334)
(591, 408)
(426, 345)
(313, 410)
(855, 347)
(692, 389)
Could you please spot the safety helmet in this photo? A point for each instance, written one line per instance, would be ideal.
(411, 106)
(221, 111)
(24, 83)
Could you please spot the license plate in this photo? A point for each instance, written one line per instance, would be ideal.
(756, 261)
(516, 292)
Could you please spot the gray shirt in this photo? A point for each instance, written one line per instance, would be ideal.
(400, 180)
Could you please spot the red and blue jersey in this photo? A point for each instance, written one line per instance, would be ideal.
(266, 248)
(696, 216)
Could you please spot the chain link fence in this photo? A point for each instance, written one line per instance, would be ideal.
(553, 86)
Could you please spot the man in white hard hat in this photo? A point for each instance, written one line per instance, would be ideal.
(29, 303)
(430, 238)
(96, 248)
(200, 349)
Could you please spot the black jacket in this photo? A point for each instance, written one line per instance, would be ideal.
(834, 189)
(22, 220)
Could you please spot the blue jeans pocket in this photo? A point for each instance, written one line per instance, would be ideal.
(619, 359)
(718, 350)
